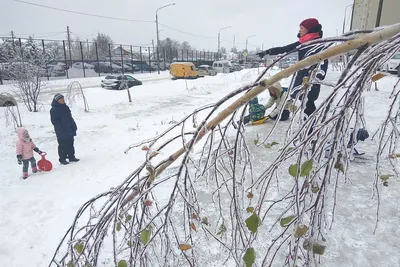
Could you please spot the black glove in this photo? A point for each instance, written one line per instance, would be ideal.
(19, 158)
(262, 53)
(37, 150)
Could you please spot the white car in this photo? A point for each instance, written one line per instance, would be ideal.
(206, 70)
(79, 65)
(392, 64)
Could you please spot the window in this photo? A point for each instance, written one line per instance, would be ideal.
(129, 78)
(110, 77)
(396, 56)
(220, 65)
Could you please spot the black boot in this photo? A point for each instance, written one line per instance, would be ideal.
(64, 162)
(73, 159)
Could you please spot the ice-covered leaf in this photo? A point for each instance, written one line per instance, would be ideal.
(193, 227)
(118, 228)
(253, 222)
(222, 229)
(250, 195)
(205, 221)
(301, 230)
(293, 169)
(249, 257)
(79, 247)
(314, 189)
(122, 263)
(268, 145)
(128, 218)
(195, 216)
(257, 139)
(315, 247)
(306, 167)
(145, 235)
(385, 177)
(250, 209)
(274, 143)
(145, 148)
(69, 264)
(184, 247)
(285, 221)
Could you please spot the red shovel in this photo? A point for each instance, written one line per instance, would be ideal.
(44, 164)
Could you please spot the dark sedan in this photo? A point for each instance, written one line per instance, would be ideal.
(117, 82)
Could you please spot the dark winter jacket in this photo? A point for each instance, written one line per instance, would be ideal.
(303, 53)
(61, 118)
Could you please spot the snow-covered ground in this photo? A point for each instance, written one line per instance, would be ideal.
(35, 213)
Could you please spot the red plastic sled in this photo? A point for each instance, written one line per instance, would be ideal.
(44, 164)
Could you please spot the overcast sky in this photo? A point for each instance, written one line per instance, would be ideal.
(274, 22)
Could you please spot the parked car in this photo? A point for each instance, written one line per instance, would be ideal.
(80, 65)
(106, 67)
(222, 66)
(7, 100)
(204, 70)
(183, 70)
(115, 81)
(392, 64)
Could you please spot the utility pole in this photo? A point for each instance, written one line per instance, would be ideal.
(152, 42)
(158, 39)
(69, 46)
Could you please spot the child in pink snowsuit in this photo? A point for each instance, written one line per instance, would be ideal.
(25, 148)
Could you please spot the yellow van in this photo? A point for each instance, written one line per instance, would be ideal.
(183, 70)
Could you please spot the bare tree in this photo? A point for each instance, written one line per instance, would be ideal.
(219, 195)
(27, 68)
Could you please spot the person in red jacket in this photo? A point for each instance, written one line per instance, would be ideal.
(310, 29)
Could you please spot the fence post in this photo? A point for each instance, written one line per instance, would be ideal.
(182, 55)
(141, 59)
(132, 60)
(44, 55)
(122, 60)
(187, 55)
(149, 59)
(109, 54)
(97, 58)
(192, 55)
(65, 59)
(165, 58)
(83, 62)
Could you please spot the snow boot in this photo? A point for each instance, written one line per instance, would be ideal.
(34, 169)
(73, 159)
(24, 175)
(64, 162)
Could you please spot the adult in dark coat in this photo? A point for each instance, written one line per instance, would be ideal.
(310, 29)
(65, 128)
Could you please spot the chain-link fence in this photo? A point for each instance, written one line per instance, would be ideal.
(80, 59)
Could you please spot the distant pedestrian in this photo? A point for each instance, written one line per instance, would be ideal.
(24, 149)
(65, 128)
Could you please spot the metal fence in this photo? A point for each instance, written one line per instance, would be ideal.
(80, 59)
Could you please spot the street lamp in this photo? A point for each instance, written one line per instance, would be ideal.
(158, 40)
(219, 37)
(344, 19)
(247, 39)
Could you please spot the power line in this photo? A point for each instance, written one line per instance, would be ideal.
(188, 33)
(82, 13)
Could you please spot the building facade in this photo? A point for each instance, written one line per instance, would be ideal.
(368, 14)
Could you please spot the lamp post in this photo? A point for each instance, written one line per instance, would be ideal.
(158, 40)
(219, 37)
(247, 41)
(344, 19)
